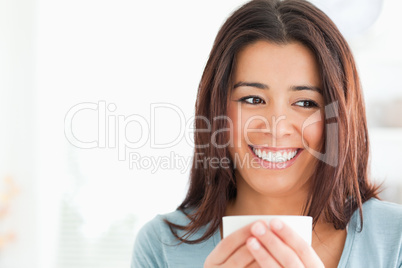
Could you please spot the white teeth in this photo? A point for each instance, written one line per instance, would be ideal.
(269, 158)
(281, 157)
(276, 157)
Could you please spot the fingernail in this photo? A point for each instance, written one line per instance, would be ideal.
(276, 224)
(258, 229)
(254, 244)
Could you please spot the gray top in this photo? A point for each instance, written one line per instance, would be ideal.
(378, 245)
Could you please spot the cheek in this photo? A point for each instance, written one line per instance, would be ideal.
(246, 125)
(235, 140)
(313, 135)
(233, 117)
(238, 120)
(312, 130)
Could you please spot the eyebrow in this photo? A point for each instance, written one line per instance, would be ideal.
(312, 88)
(264, 86)
(251, 84)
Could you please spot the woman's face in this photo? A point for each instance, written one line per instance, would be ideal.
(276, 108)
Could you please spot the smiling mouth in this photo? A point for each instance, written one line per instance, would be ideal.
(284, 156)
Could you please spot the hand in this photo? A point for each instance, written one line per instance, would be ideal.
(280, 246)
(232, 251)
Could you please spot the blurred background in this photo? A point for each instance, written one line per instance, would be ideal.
(83, 166)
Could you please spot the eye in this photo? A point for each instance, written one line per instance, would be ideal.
(306, 104)
(254, 100)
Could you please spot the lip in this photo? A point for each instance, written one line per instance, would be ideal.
(272, 165)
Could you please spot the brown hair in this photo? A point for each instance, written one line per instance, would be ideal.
(337, 190)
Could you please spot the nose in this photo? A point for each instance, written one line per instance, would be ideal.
(281, 125)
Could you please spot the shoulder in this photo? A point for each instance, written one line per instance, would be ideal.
(159, 222)
(380, 216)
(151, 238)
(382, 223)
(157, 230)
(382, 220)
(157, 246)
(377, 211)
(379, 242)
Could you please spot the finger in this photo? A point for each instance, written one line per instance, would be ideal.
(240, 258)
(229, 245)
(261, 255)
(303, 250)
(280, 251)
(254, 264)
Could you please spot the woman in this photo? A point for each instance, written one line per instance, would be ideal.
(280, 99)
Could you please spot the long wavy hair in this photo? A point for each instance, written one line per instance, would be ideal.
(336, 190)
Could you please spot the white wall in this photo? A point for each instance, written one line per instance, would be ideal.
(17, 121)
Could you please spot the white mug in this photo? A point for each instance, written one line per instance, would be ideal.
(302, 225)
